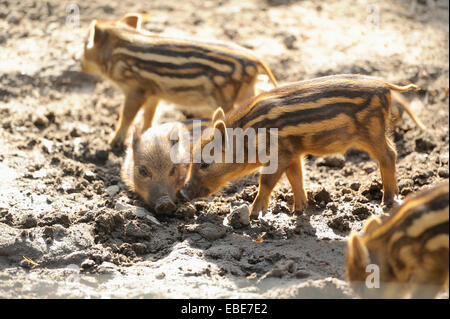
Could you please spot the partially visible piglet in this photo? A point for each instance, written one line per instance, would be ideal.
(155, 165)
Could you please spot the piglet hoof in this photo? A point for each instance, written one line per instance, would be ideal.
(298, 212)
(388, 203)
(116, 141)
(118, 148)
(255, 214)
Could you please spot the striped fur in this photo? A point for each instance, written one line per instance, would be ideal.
(410, 248)
(149, 68)
(320, 116)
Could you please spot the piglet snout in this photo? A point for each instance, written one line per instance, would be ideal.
(164, 205)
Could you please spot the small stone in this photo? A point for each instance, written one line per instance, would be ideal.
(122, 207)
(29, 221)
(88, 263)
(112, 190)
(74, 132)
(211, 231)
(40, 121)
(160, 275)
(301, 274)
(107, 268)
(230, 33)
(355, 186)
(89, 176)
(141, 212)
(153, 219)
(199, 21)
(289, 41)
(239, 217)
(443, 172)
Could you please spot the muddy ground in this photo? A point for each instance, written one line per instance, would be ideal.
(69, 228)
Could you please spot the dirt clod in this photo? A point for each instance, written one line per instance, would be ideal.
(186, 210)
(334, 161)
(443, 172)
(424, 145)
(373, 191)
(29, 221)
(340, 224)
(322, 197)
(137, 230)
(361, 212)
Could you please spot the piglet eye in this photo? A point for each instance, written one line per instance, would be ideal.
(143, 171)
(172, 170)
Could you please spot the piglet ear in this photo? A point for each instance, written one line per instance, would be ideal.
(219, 114)
(371, 224)
(133, 20)
(221, 127)
(357, 251)
(94, 34)
(179, 139)
(174, 135)
(97, 35)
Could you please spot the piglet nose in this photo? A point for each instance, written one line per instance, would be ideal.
(164, 205)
